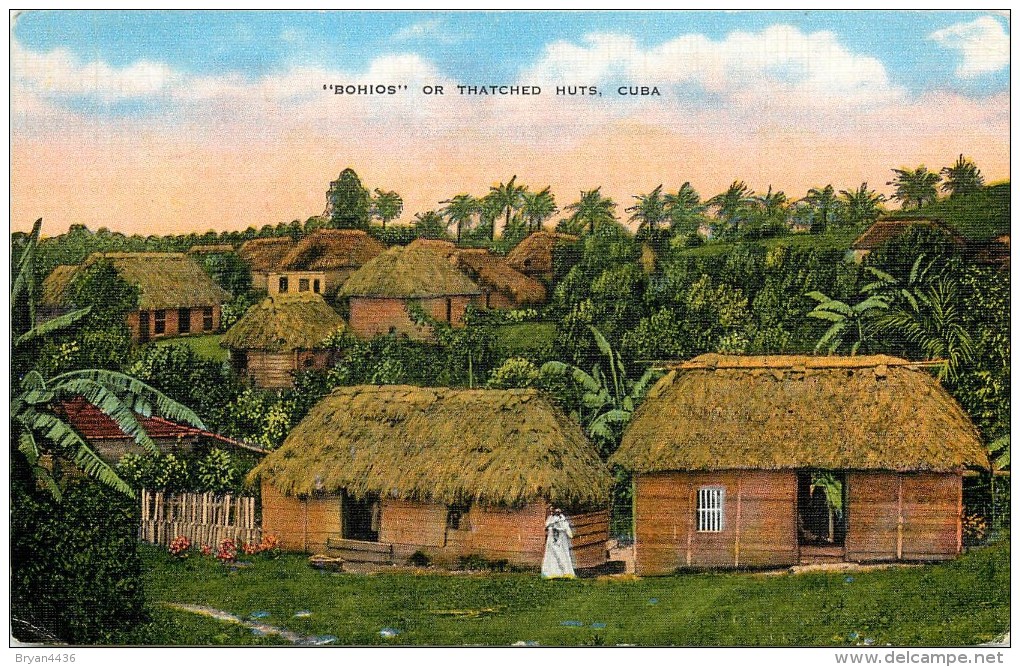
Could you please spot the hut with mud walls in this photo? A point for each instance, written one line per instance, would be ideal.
(281, 335)
(264, 256)
(536, 256)
(322, 261)
(385, 472)
(779, 460)
(383, 294)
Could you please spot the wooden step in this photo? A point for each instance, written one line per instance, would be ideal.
(356, 551)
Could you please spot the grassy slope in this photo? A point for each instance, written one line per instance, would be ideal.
(524, 338)
(206, 345)
(959, 603)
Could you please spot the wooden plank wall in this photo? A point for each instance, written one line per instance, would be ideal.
(591, 532)
(872, 516)
(759, 521)
(271, 370)
(415, 524)
(301, 524)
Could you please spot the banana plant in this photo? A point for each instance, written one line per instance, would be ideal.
(41, 431)
(833, 490)
(609, 399)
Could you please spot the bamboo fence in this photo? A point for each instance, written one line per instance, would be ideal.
(204, 518)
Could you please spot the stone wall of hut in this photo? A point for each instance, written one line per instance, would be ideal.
(371, 317)
(890, 516)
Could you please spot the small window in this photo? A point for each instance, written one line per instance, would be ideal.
(711, 500)
(302, 285)
(449, 310)
(184, 320)
(488, 299)
(283, 284)
(159, 322)
(316, 287)
(457, 517)
(207, 319)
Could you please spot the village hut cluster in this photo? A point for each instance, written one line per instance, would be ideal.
(737, 461)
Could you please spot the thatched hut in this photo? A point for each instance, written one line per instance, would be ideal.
(535, 254)
(886, 229)
(264, 256)
(770, 461)
(176, 297)
(448, 472)
(281, 335)
(502, 285)
(322, 261)
(382, 291)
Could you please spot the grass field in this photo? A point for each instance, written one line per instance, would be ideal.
(207, 345)
(525, 338)
(958, 603)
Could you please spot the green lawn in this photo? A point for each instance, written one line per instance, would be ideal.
(525, 338)
(207, 345)
(838, 238)
(959, 603)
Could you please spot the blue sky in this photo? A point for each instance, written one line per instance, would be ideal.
(186, 117)
(471, 46)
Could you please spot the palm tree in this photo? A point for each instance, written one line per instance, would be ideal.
(649, 213)
(538, 207)
(850, 324)
(933, 321)
(38, 426)
(592, 210)
(506, 198)
(386, 206)
(611, 400)
(684, 209)
(915, 186)
(823, 203)
(730, 206)
(962, 178)
(861, 205)
(772, 204)
(460, 210)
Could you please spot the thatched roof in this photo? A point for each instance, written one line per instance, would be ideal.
(535, 252)
(164, 279)
(408, 272)
(55, 285)
(264, 255)
(331, 249)
(783, 412)
(495, 273)
(284, 323)
(497, 447)
(447, 249)
(886, 229)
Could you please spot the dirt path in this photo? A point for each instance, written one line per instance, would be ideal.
(264, 628)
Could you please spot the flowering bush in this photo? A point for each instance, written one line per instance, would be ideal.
(269, 545)
(227, 552)
(975, 529)
(206, 550)
(179, 547)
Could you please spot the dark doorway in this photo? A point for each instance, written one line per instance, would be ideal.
(143, 326)
(184, 320)
(821, 508)
(361, 518)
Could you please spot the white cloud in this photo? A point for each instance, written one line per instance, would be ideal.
(780, 65)
(432, 29)
(983, 43)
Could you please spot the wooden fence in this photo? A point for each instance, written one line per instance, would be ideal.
(204, 518)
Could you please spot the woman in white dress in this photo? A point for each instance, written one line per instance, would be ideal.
(558, 562)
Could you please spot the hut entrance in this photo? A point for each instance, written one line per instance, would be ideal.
(821, 513)
(361, 518)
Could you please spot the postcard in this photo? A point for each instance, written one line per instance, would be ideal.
(684, 329)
